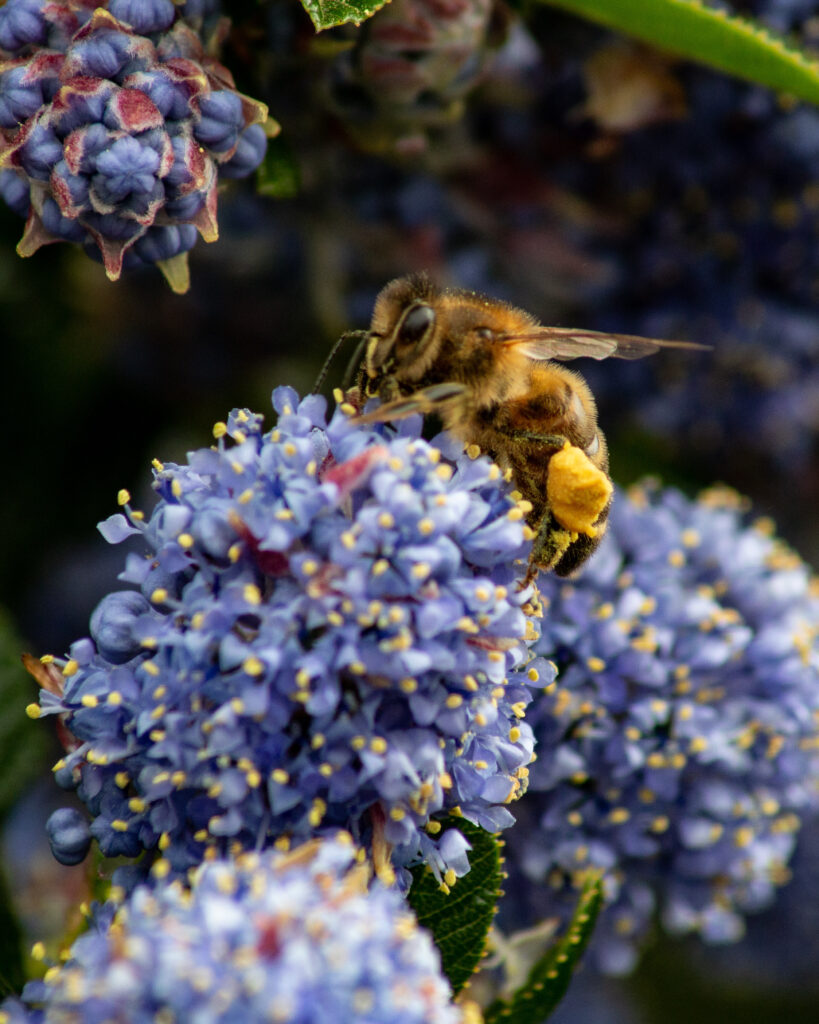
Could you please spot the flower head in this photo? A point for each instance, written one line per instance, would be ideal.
(328, 633)
(679, 750)
(114, 126)
(295, 938)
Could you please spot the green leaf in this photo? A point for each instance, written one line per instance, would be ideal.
(550, 976)
(278, 176)
(725, 41)
(460, 919)
(22, 742)
(328, 13)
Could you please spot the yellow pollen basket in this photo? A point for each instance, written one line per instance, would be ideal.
(577, 491)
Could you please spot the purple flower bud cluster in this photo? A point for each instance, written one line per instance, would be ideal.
(297, 938)
(328, 632)
(409, 70)
(680, 749)
(114, 127)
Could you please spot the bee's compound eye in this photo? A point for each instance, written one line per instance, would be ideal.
(485, 333)
(594, 447)
(416, 323)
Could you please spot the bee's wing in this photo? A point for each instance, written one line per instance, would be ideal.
(426, 400)
(573, 343)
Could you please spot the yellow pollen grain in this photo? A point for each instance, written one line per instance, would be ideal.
(743, 836)
(698, 744)
(433, 827)
(161, 868)
(514, 734)
(574, 818)
(246, 496)
(123, 497)
(309, 567)
(380, 566)
(408, 685)
(326, 770)
(467, 625)
(122, 779)
(136, 804)
(33, 710)
(252, 594)
(253, 666)
(118, 825)
(386, 521)
(280, 776)
(235, 552)
(89, 700)
(159, 595)
(176, 488)
(426, 526)
(358, 742)
(378, 745)
(676, 558)
(70, 668)
(158, 466)
(421, 570)
(443, 471)
(151, 668)
(619, 815)
(219, 429)
(454, 700)
(595, 664)
(514, 514)
(445, 782)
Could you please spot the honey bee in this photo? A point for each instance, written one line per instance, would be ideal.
(486, 369)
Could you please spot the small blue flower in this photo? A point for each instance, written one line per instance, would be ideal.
(298, 938)
(679, 750)
(328, 632)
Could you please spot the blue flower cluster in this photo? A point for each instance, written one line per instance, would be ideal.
(681, 747)
(297, 938)
(328, 632)
(114, 127)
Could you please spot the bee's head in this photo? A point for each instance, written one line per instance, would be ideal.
(402, 333)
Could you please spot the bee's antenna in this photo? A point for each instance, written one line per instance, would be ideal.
(346, 336)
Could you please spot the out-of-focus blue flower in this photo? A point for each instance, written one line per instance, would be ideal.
(296, 938)
(113, 126)
(679, 750)
(330, 633)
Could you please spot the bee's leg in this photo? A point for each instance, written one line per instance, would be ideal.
(547, 440)
(551, 543)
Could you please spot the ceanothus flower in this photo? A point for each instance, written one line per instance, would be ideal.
(329, 632)
(679, 750)
(115, 125)
(298, 938)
